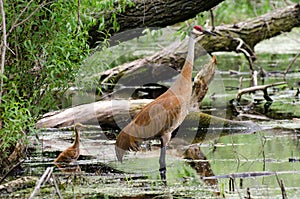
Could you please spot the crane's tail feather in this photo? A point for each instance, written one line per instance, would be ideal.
(125, 143)
(119, 153)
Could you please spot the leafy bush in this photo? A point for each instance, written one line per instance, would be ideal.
(46, 47)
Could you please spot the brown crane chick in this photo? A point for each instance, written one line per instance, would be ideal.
(159, 118)
(72, 153)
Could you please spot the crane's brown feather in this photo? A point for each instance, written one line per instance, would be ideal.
(159, 117)
(69, 155)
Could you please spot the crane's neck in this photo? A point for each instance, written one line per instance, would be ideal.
(183, 84)
(189, 62)
(77, 137)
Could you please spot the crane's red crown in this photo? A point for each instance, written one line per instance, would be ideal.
(199, 28)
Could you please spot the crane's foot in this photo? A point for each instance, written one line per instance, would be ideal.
(163, 172)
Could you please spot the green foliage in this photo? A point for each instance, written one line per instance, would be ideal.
(46, 47)
(47, 44)
(107, 11)
(234, 11)
(15, 116)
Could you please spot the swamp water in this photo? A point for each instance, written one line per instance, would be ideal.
(244, 164)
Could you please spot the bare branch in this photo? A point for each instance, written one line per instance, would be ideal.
(47, 173)
(246, 51)
(212, 17)
(290, 65)
(256, 88)
(4, 43)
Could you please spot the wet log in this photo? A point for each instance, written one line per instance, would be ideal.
(240, 38)
(147, 13)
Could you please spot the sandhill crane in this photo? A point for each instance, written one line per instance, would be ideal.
(72, 153)
(159, 118)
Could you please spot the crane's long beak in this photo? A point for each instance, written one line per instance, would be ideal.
(208, 33)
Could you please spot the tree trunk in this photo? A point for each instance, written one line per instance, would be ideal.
(149, 13)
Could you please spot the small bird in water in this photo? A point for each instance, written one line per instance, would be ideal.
(160, 118)
(71, 154)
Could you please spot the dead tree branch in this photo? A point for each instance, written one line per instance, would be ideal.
(256, 88)
(3, 51)
(45, 178)
(254, 30)
(291, 64)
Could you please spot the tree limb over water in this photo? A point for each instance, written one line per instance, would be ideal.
(240, 37)
(149, 13)
(253, 31)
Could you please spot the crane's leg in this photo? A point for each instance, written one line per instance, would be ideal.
(162, 164)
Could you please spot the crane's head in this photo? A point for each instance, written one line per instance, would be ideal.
(198, 30)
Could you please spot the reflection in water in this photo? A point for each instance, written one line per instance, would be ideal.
(200, 163)
(68, 167)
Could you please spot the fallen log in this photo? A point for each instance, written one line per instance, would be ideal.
(102, 112)
(118, 113)
(111, 112)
